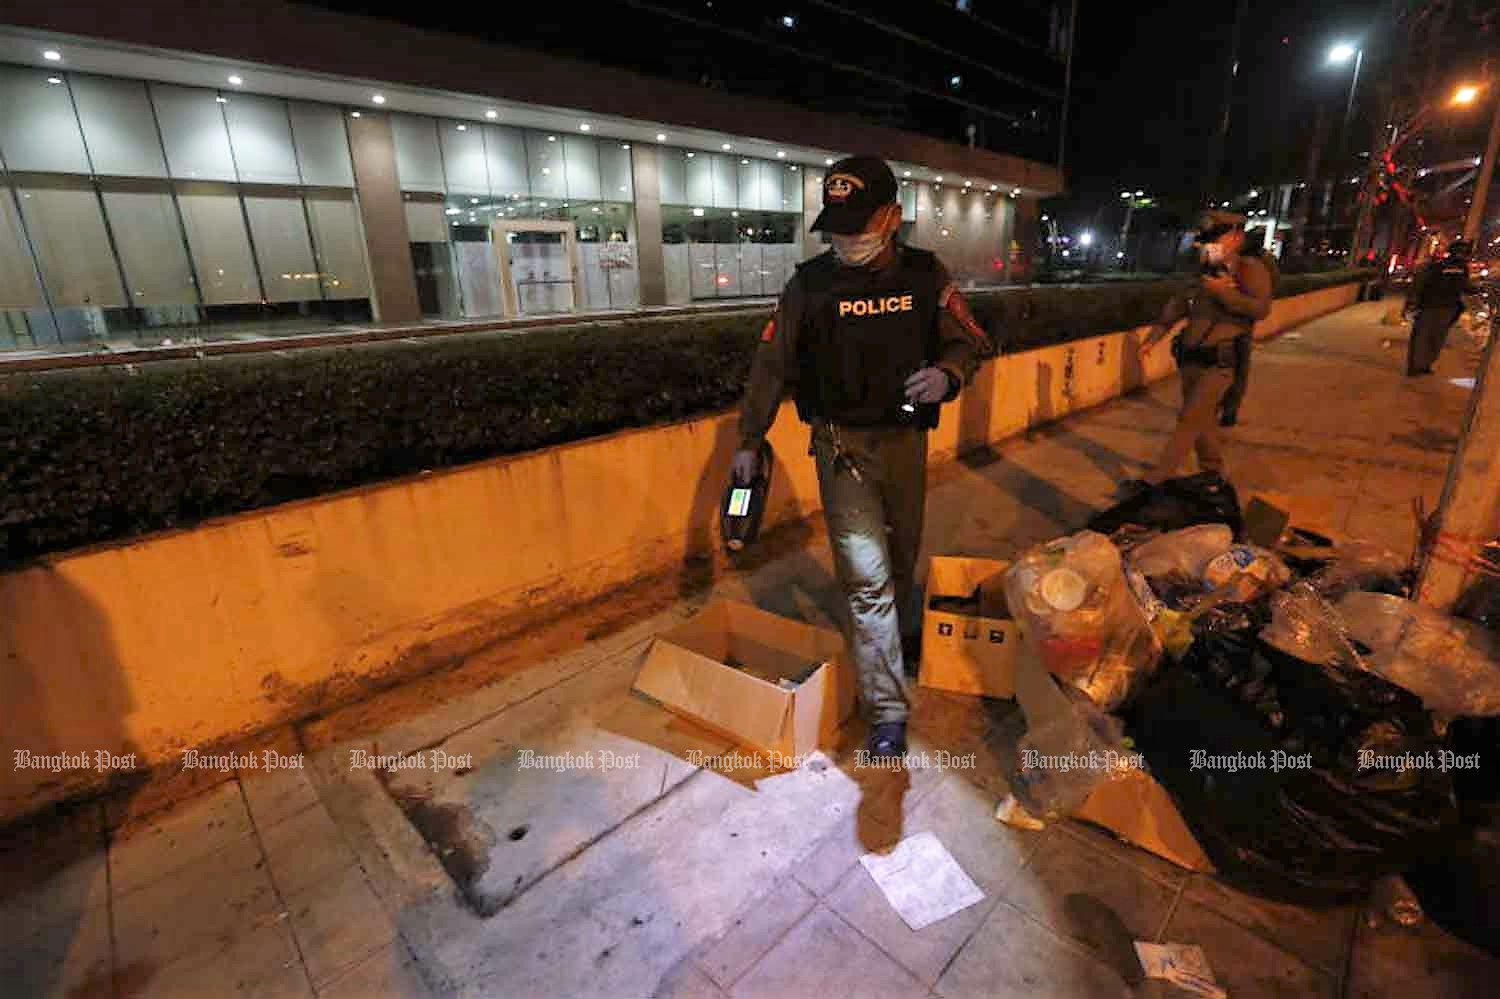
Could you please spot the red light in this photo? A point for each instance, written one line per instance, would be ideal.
(723, 279)
(999, 263)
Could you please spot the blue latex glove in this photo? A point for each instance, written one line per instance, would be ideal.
(928, 385)
(744, 466)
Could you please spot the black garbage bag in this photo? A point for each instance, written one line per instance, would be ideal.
(1261, 753)
(1204, 498)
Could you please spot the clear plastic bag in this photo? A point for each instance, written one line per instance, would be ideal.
(1359, 565)
(1187, 551)
(1452, 665)
(1081, 620)
(1062, 760)
(1307, 627)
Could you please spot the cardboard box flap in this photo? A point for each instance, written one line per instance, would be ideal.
(726, 700)
(955, 577)
(1138, 809)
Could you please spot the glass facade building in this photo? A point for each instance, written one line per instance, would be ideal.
(167, 198)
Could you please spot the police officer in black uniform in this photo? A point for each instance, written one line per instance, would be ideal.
(1437, 296)
(872, 336)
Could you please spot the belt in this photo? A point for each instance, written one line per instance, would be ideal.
(1209, 357)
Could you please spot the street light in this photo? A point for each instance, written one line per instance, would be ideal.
(1339, 55)
(1465, 94)
(1086, 238)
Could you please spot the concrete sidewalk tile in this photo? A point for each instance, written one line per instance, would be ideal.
(822, 867)
(1011, 957)
(687, 981)
(755, 931)
(1092, 898)
(338, 923)
(1246, 965)
(260, 959)
(1424, 960)
(389, 973)
(824, 956)
(64, 895)
(277, 795)
(925, 952)
(218, 896)
(71, 957)
(304, 850)
(154, 846)
(962, 817)
(1321, 937)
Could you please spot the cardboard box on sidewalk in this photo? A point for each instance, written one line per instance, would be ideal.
(1268, 515)
(1134, 806)
(772, 684)
(969, 642)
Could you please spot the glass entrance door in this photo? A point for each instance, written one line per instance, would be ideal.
(538, 267)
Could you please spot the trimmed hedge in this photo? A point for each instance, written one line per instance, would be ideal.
(99, 454)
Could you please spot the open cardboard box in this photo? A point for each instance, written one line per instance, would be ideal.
(968, 652)
(1134, 807)
(775, 685)
(1269, 514)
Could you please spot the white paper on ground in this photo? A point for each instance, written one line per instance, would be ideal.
(1184, 965)
(921, 880)
(1467, 383)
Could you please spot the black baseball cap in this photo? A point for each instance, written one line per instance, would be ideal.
(853, 189)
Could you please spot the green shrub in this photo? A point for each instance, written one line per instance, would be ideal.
(104, 453)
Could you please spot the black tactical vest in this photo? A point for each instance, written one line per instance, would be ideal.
(1445, 286)
(864, 333)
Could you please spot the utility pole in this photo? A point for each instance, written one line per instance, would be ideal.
(1302, 215)
(1062, 134)
(1474, 224)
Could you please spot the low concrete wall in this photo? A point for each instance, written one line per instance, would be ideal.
(199, 636)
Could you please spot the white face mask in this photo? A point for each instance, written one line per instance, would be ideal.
(1212, 253)
(856, 251)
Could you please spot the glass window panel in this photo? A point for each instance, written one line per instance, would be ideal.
(215, 226)
(749, 186)
(279, 228)
(908, 202)
(149, 240)
(192, 129)
(791, 189)
(118, 126)
(673, 171)
(505, 158)
(418, 162)
(339, 243)
(770, 176)
(581, 167)
(463, 157)
(615, 181)
(700, 179)
(18, 286)
(260, 133)
(544, 165)
(72, 248)
(38, 130)
(425, 222)
(322, 145)
(726, 180)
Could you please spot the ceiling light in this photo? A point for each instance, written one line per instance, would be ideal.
(939, 178)
(221, 100)
(794, 168)
(551, 138)
(828, 162)
(906, 173)
(622, 187)
(691, 155)
(52, 55)
(596, 210)
(697, 213)
(788, 21)
(546, 171)
(781, 154)
(451, 211)
(624, 145)
(1016, 193)
(584, 126)
(744, 162)
(565, 204)
(542, 204)
(492, 114)
(463, 128)
(378, 99)
(354, 114)
(54, 80)
(235, 80)
(727, 146)
(994, 187)
(661, 136)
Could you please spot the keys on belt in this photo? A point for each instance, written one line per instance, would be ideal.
(843, 461)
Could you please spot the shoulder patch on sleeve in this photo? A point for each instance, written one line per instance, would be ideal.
(768, 334)
(952, 301)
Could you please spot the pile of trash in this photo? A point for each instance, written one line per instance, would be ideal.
(1297, 707)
